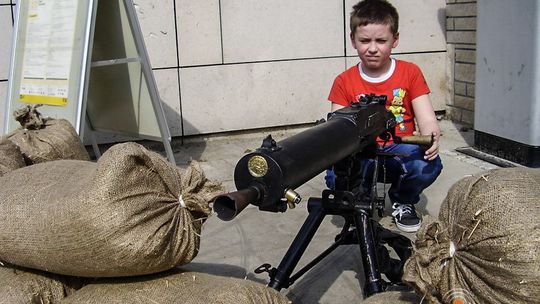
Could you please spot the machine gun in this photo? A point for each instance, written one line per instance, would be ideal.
(268, 177)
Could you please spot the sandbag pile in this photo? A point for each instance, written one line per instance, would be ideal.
(46, 139)
(130, 219)
(176, 286)
(19, 285)
(393, 297)
(11, 157)
(484, 248)
(132, 213)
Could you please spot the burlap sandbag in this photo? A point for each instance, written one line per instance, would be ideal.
(21, 286)
(393, 297)
(46, 139)
(484, 248)
(10, 156)
(132, 213)
(177, 287)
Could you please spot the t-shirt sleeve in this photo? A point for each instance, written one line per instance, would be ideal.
(337, 93)
(419, 85)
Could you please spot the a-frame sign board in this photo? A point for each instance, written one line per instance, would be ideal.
(85, 61)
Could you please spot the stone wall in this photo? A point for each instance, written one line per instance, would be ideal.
(461, 50)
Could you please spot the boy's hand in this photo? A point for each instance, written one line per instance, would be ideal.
(433, 151)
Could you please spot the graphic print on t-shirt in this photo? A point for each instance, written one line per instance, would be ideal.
(396, 107)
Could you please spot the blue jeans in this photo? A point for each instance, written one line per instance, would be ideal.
(409, 174)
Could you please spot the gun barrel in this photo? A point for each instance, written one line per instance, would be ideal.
(265, 176)
(228, 206)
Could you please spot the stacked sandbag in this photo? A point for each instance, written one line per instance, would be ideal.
(10, 156)
(19, 285)
(46, 139)
(131, 213)
(176, 286)
(484, 248)
(393, 297)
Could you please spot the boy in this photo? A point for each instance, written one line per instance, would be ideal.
(374, 33)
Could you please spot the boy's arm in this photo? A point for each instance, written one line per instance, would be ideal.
(427, 123)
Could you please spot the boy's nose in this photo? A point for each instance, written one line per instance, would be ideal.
(372, 48)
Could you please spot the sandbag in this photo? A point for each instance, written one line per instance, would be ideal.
(46, 139)
(21, 286)
(10, 156)
(131, 213)
(393, 297)
(176, 286)
(484, 248)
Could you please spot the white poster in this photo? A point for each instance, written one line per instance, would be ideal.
(50, 34)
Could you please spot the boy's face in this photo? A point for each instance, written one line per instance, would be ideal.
(374, 43)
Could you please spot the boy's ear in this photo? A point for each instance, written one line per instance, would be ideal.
(396, 40)
(351, 36)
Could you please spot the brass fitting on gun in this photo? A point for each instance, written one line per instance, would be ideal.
(292, 198)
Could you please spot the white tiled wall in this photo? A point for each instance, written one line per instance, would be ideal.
(254, 95)
(281, 29)
(199, 32)
(157, 20)
(241, 64)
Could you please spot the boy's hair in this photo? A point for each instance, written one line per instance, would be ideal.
(374, 11)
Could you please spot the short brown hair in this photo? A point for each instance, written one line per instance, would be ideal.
(374, 11)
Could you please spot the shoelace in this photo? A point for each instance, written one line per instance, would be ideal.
(400, 210)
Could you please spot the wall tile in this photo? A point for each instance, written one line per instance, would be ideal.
(167, 83)
(199, 33)
(461, 37)
(465, 23)
(461, 10)
(244, 96)
(282, 29)
(465, 72)
(468, 56)
(157, 25)
(422, 25)
(6, 29)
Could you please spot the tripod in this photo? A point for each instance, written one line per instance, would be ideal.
(356, 207)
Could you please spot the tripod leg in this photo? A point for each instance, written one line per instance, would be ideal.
(281, 277)
(374, 282)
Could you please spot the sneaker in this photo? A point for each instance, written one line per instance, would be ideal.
(405, 217)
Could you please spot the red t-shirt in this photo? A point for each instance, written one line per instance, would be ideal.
(402, 84)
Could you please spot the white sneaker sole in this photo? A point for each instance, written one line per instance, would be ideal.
(406, 228)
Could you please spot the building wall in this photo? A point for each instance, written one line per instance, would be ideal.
(461, 46)
(238, 64)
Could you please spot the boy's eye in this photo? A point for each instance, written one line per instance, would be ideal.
(381, 40)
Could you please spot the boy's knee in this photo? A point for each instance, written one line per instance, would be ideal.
(428, 171)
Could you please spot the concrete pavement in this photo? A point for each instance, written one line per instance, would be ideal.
(237, 247)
